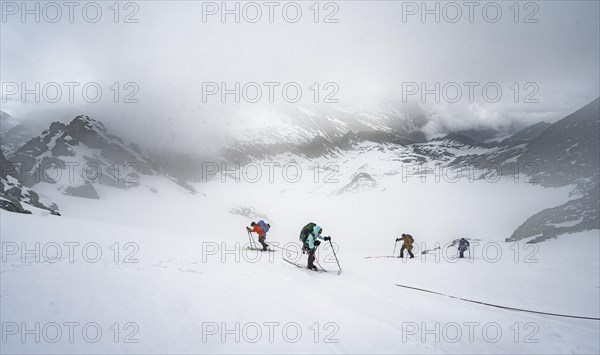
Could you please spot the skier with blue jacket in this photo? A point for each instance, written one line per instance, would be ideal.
(310, 235)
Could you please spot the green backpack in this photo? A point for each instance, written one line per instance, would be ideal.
(306, 231)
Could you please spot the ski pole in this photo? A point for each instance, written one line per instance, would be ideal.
(251, 240)
(394, 253)
(336, 259)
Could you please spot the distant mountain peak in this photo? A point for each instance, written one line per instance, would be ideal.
(459, 138)
(85, 123)
(527, 134)
(7, 122)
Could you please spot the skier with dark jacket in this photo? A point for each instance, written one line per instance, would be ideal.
(309, 236)
(463, 245)
(407, 244)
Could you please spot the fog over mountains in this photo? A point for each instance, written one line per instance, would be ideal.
(564, 153)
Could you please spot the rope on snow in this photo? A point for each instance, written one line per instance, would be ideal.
(498, 306)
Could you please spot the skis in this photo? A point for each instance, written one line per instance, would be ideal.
(382, 256)
(259, 249)
(303, 267)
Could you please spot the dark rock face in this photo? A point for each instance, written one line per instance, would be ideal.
(4, 166)
(13, 194)
(12, 206)
(567, 152)
(574, 216)
(86, 191)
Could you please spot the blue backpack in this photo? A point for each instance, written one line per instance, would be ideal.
(264, 226)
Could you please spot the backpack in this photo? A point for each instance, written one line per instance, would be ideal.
(306, 231)
(412, 240)
(264, 226)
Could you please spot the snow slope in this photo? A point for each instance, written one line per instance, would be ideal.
(181, 282)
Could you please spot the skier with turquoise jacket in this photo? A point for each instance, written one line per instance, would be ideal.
(309, 236)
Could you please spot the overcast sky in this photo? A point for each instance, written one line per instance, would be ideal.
(371, 53)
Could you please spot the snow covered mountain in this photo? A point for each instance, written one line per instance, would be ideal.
(78, 157)
(323, 130)
(526, 134)
(563, 153)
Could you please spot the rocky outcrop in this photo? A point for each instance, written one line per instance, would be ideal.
(579, 214)
(566, 153)
(360, 182)
(15, 197)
